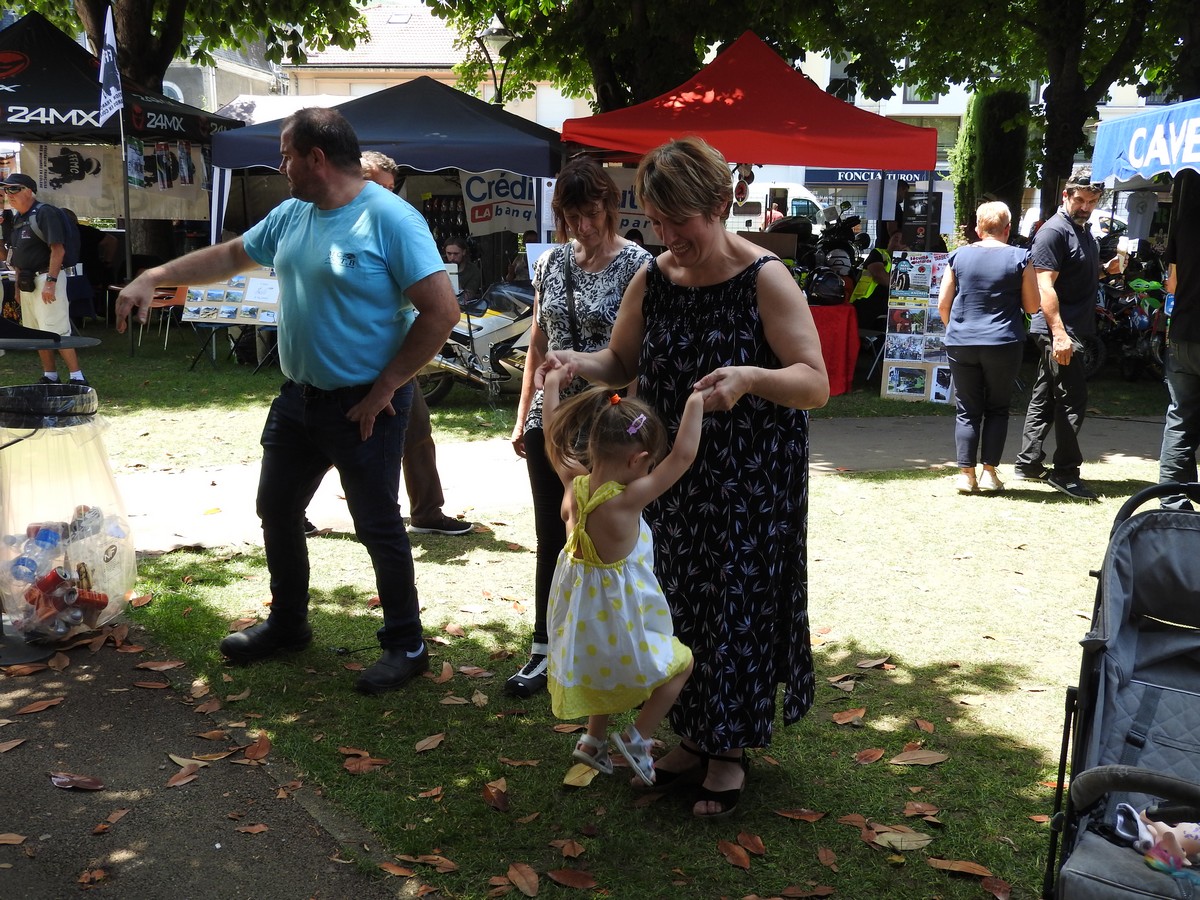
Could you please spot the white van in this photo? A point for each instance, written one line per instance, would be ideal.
(793, 199)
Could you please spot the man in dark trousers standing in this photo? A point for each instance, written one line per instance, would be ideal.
(1181, 434)
(1067, 260)
(365, 303)
(44, 249)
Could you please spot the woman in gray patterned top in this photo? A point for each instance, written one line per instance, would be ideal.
(578, 287)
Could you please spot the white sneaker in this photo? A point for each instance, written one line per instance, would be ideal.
(989, 483)
(965, 484)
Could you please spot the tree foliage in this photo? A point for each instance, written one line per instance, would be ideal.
(153, 33)
(620, 51)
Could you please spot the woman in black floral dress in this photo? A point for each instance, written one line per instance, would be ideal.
(715, 313)
(602, 263)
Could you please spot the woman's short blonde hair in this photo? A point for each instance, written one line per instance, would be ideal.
(992, 218)
(684, 178)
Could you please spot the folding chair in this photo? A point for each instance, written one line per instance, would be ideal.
(165, 299)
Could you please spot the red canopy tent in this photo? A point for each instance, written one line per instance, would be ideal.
(755, 108)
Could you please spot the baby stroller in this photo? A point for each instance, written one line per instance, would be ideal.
(1133, 723)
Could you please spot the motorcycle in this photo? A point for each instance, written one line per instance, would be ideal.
(1131, 324)
(487, 348)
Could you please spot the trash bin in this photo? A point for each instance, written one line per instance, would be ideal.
(67, 557)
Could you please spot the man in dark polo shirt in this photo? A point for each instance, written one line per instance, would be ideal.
(1067, 260)
(1181, 434)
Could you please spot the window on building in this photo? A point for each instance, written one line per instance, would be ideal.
(915, 95)
(841, 85)
(171, 89)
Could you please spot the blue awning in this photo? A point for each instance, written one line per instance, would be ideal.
(1148, 144)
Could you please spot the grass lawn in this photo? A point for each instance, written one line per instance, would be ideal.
(943, 622)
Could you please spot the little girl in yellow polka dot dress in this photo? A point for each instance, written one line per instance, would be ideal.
(612, 644)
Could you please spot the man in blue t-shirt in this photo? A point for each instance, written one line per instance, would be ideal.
(355, 265)
(1067, 260)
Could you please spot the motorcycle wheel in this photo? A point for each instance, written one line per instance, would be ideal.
(1094, 355)
(435, 386)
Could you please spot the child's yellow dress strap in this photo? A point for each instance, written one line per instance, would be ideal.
(586, 502)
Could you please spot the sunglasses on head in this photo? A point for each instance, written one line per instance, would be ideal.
(1083, 181)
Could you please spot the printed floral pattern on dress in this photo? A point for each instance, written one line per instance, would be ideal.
(597, 298)
(730, 536)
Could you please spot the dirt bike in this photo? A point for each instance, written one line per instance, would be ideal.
(487, 348)
(1131, 326)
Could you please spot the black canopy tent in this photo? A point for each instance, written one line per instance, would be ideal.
(424, 125)
(51, 93)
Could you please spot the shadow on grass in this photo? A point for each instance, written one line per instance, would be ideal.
(984, 791)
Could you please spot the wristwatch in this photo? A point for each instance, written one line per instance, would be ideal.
(52, 278)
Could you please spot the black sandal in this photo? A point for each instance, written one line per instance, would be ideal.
(667, 780)
(728, 799)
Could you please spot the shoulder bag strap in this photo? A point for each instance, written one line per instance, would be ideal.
(568, 288)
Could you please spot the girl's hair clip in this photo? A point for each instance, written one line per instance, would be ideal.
(636, 425)
(614, 399)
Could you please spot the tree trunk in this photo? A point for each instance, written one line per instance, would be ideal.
(1003, 136)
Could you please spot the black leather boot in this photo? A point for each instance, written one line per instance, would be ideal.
(393, 669)
(263, 640)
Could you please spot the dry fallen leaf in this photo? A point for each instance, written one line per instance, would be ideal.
(752, 842)
(253, 829)
(152, 685)
(520, 762)
(580, 775)
(523, 878)
(144, 599)
(209, 706)
(1041, 818)
(918, 758)
(453, 700)
(431, 742)
(495, 795)
(569, 728)
(871, 663)
(958, 865)
(184, 762)
(5, 746)
(361, 765)
(185, 775)
(997, 887)
(39, 706)
(24, 669)
(572, 878)
(217, 734)
(898, 840)
(827, 858)
(446, 674)
(259, 749)
(804, 815)
(59, 661)
(924, 725)
(866, 757)
(11, 839)
(116, 816)
(391, 868)
(913, 808)
(569, 848)
(161, 665)
(847, 716)
(71, 780)
(233, 698)
(734, 854)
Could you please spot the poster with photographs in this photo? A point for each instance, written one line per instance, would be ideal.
(915, 366)
(251, 298)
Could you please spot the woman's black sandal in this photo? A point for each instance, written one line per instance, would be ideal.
(728, 799)
(667, 780)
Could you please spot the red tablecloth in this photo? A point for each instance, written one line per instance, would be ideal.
(838, 329)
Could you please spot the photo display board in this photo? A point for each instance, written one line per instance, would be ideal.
(914, 351)
(251, 298)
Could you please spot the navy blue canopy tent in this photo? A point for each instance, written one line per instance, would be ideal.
(423, 125)
(1166, 139)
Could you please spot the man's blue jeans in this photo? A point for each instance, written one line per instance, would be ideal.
(1181, 434)
(306, 434)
